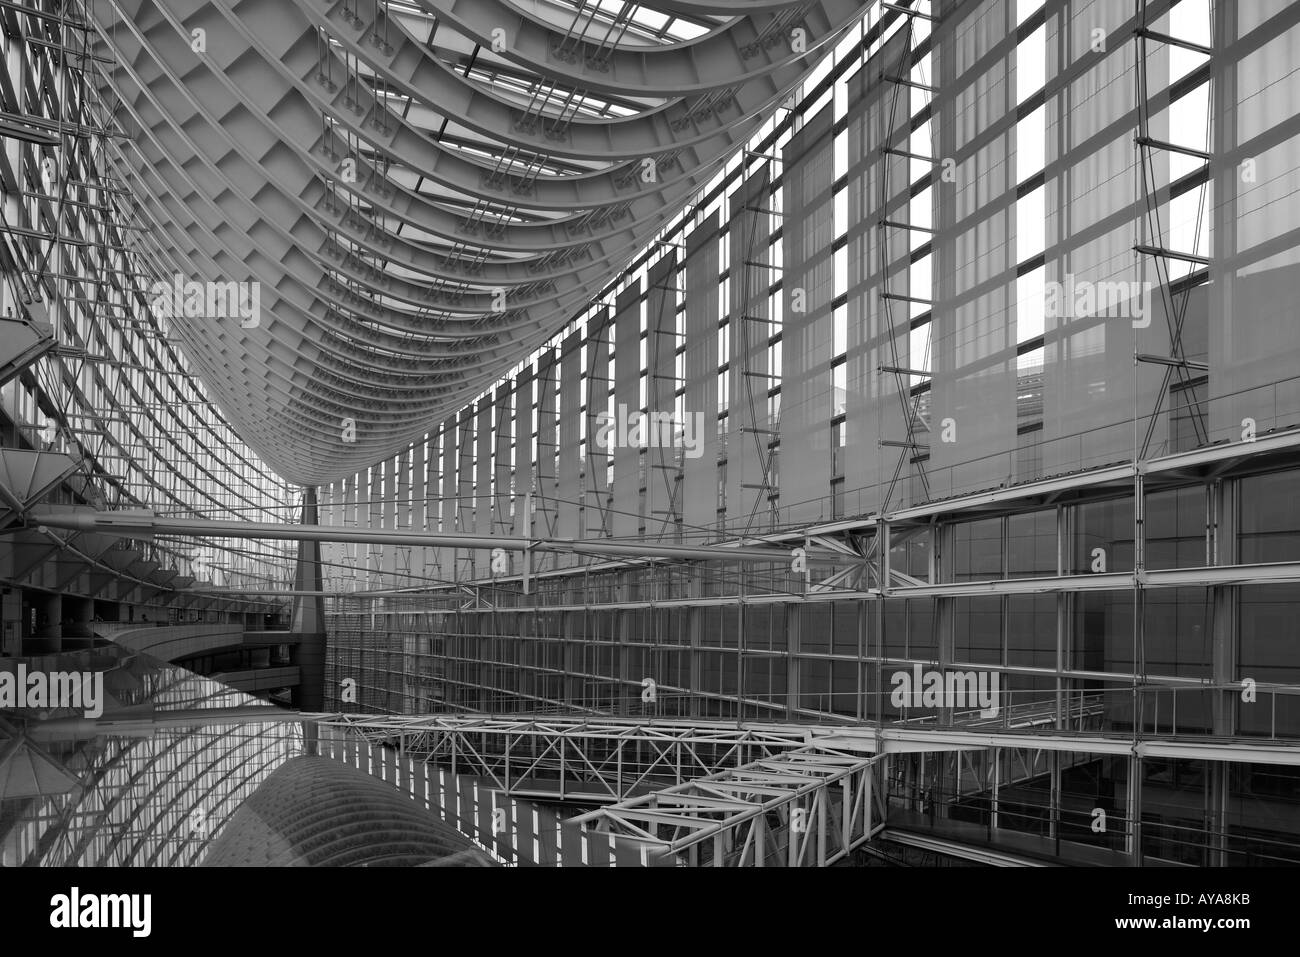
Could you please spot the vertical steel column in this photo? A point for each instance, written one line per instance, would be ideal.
(1134, 848)
(1064, 612)
(1222, 502)
(309, 617)
(883, 538)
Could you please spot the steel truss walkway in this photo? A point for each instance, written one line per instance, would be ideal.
(712, 793)
(514, 749)
(796, 805)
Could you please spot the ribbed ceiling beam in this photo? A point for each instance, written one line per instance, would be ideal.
(745, 47)
(377, 296)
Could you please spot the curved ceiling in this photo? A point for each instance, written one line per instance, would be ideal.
(318, 812)
(423, 192)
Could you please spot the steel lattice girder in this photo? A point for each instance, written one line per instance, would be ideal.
(862, 738)
(808, 807)
(592, 759)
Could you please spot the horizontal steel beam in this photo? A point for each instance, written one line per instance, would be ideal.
(938, 845)
(1100, 581)
(136, 524)
(866, 738)
(1012, 493)
(713, 601)
(1222, 575)
(1286, 441)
